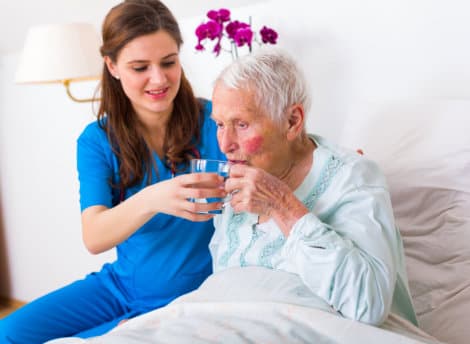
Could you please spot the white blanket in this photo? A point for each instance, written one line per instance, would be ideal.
(253, 305)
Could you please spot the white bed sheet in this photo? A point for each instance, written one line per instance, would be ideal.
(253, 305)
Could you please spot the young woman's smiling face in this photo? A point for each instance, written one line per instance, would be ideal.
(149, 70)
(246, 135)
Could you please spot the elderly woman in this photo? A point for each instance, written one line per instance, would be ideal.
(300, 203)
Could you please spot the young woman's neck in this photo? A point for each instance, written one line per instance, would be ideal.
(154, 126)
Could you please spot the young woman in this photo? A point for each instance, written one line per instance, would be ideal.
(134, 186)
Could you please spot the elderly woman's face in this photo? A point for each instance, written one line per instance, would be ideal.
(246, 135)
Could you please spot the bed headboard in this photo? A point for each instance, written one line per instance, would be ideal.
(424, 151)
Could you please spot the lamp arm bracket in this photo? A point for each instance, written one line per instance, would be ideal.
(66, 83)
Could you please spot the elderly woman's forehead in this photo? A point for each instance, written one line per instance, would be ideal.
(241, 109)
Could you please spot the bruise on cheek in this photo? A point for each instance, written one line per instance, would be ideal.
(253, 145)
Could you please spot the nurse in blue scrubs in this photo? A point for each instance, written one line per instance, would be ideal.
(134, 185)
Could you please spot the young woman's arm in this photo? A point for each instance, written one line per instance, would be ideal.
(104, 228)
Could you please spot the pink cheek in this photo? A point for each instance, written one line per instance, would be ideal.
(253, 145)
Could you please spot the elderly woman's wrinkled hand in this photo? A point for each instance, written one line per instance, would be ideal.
(255, 190)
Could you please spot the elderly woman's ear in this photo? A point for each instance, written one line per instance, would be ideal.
(295, 121)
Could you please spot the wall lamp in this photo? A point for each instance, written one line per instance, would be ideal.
(61, 53)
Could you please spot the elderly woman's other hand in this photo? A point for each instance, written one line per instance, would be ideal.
(256, 191)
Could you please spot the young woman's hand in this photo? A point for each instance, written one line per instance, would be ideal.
(175, 196)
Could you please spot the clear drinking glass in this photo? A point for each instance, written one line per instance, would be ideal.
(220, 167)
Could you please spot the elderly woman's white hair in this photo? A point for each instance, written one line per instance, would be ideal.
(275, 79)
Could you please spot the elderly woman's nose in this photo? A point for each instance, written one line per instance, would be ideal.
(227, 141)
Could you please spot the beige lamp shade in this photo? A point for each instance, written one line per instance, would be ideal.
(60, 53)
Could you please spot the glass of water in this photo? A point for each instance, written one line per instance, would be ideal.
(220, 167)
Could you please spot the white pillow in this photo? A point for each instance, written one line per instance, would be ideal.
(424, 151)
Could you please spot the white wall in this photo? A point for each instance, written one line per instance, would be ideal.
(352, 51)
(39, 189)
(18, 15)
(365, 50)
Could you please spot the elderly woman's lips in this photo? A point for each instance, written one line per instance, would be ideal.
(237, 161)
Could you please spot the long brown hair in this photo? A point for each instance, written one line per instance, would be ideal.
(125, 22)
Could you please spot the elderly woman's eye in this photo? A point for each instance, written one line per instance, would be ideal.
(242, 125)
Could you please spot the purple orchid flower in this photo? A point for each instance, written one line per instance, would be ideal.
(217, 49)
(268, 35)
(233, 27)
(238, 33)
(210, 30)
(220, 16)
(243, 36)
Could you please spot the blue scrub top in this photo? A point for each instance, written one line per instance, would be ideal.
(166, 257)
